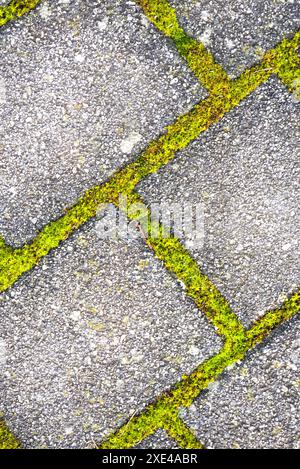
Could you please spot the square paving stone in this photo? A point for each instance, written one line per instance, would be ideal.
(89, 337)
(245, 171)
(256, 404)
(239, 31)
(85, 86)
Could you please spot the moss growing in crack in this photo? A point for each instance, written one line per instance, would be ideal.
(184, 437)
(177, 260)
(272, 319)
(15, 9)
(163, 16)
(7, 440)
(281, 60)
(163, 413)
(200, 60)
(14, 262)
(289, 69)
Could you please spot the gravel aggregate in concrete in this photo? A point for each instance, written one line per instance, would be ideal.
(245, 171)
(89, 337)
(255, 404)
(238, 32)
(86, 85)
(99, 328)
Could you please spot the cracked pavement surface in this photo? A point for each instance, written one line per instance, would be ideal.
(87, 86)
(99, 328)
(238, 32)
(245, 171)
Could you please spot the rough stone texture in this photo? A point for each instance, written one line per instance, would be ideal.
(245, 170)
(87, 86)
(255, 404)
(159, 440)
(99, 328)
(91, 336)
(239, 31)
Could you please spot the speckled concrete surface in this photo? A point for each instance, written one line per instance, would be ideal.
(245, 170)
(91, 336)
(88, 85)
(99, 328)
(255, 404)
(159, 440)
(238, 32)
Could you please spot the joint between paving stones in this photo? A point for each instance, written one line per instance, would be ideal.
(183, 435)
(15, 262)
(210, 74)
(178, 261)
(190, 387)
(283, 61)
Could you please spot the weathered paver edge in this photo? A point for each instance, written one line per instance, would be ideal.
(162, 414)
(225, 94)
(164, 410)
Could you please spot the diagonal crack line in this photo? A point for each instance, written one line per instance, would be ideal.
(224, 96)
(157, 414)
(210, 74)
(16, 9)
(186, 128)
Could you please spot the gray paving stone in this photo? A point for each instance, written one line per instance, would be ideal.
(256, 404)
(91, 336)
(87, 85)
(239, 31)
(159, 440)
(245, 170)
(99, 329)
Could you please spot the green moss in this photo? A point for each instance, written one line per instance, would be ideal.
(289, 71)
(184, 437)
(186, 128)
(282, 61)
(224, 95)
(7, 440)
(272, 319)
(200, 60)
(163, 16)
(163, 413)
(209, 300)
(15, 9)
(179, 262)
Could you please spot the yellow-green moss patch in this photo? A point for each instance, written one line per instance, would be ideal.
(210, 74)
(224, 96)
(7, 440)
(163, 412)
(16, 9)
